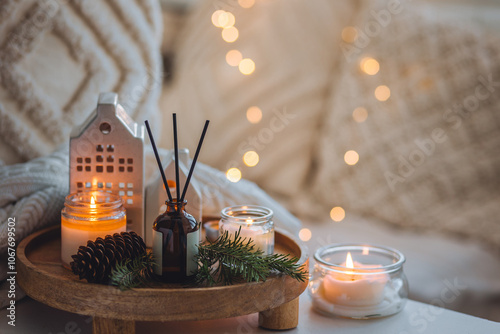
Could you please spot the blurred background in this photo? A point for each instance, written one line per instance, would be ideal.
(371, 121)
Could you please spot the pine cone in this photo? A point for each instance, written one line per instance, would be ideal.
(95, 261)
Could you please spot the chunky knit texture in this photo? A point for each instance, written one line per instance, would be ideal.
(57, 56)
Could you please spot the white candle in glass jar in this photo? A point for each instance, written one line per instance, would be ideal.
(263, 239)
(255, 222)
(358, 285)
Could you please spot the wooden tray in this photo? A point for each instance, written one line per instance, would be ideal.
(42, 276)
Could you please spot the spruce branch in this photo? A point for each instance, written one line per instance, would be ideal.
(130, 274)
(227, 260)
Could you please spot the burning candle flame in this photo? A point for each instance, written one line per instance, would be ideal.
(348, 261)
(92, 202)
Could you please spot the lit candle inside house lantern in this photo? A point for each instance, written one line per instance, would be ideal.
(255, 223)
(358, 285)
(85, 217)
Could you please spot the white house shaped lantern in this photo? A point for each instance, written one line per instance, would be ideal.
(107, 154)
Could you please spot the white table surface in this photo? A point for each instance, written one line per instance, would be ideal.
(34, 317)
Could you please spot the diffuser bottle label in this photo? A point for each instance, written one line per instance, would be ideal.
(158, 252)
(193, 240)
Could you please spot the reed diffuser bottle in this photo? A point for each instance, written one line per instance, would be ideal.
(176, 235)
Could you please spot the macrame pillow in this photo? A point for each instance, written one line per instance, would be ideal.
(429, 156)
(57, 56)
(294, 53)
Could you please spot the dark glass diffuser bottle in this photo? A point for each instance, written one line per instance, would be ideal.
(176, 235)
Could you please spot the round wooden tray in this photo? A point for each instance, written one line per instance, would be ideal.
(42, 276)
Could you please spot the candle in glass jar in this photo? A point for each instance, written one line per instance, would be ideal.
(255, 223)
(262, 239)
(358, 285)
(87, 216)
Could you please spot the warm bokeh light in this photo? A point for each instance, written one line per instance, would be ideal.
(305, 234)
(247, 66)
(360, 114)
(251, 158)
(351, 157)
(226, 20)
(349, 34)
(233, 57)
(246, 3)
(382, 93)
(230, 34)
(233, 174)
(215, 17)
(337, 214)
(369, 65)
(254, 115)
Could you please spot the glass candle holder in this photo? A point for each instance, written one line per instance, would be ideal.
(255, 222)
(358, 281)
(86, 216)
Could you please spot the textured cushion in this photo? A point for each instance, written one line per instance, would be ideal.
(57, 56)
(286, 40)
(429, 156)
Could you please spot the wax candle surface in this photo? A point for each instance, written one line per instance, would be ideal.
(362, 286)
(263, 240)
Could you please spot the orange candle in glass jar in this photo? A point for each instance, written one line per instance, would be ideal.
(86, 216)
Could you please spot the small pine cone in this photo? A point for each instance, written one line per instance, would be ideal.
(95, 261)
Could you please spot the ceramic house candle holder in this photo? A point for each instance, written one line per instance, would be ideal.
(107, 154)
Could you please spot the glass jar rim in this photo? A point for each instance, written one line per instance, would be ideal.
(396, 254)
(240, 214)
(111, 201)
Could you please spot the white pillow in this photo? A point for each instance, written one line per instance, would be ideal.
(429, 156)
(57, 56)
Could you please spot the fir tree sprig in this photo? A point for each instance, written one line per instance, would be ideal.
(134, 273)
(229, 259)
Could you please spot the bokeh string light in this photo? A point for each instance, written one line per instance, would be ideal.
(351, 157)
(254, 114)
(382, 93)
(233, 174)
(369, 65)
(251, 158)
(230, 34)
(360, 114)
(233, 57)
(337, 214)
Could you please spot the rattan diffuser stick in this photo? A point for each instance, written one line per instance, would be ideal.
(158, 161)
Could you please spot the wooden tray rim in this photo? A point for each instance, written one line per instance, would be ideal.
(291, 289)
